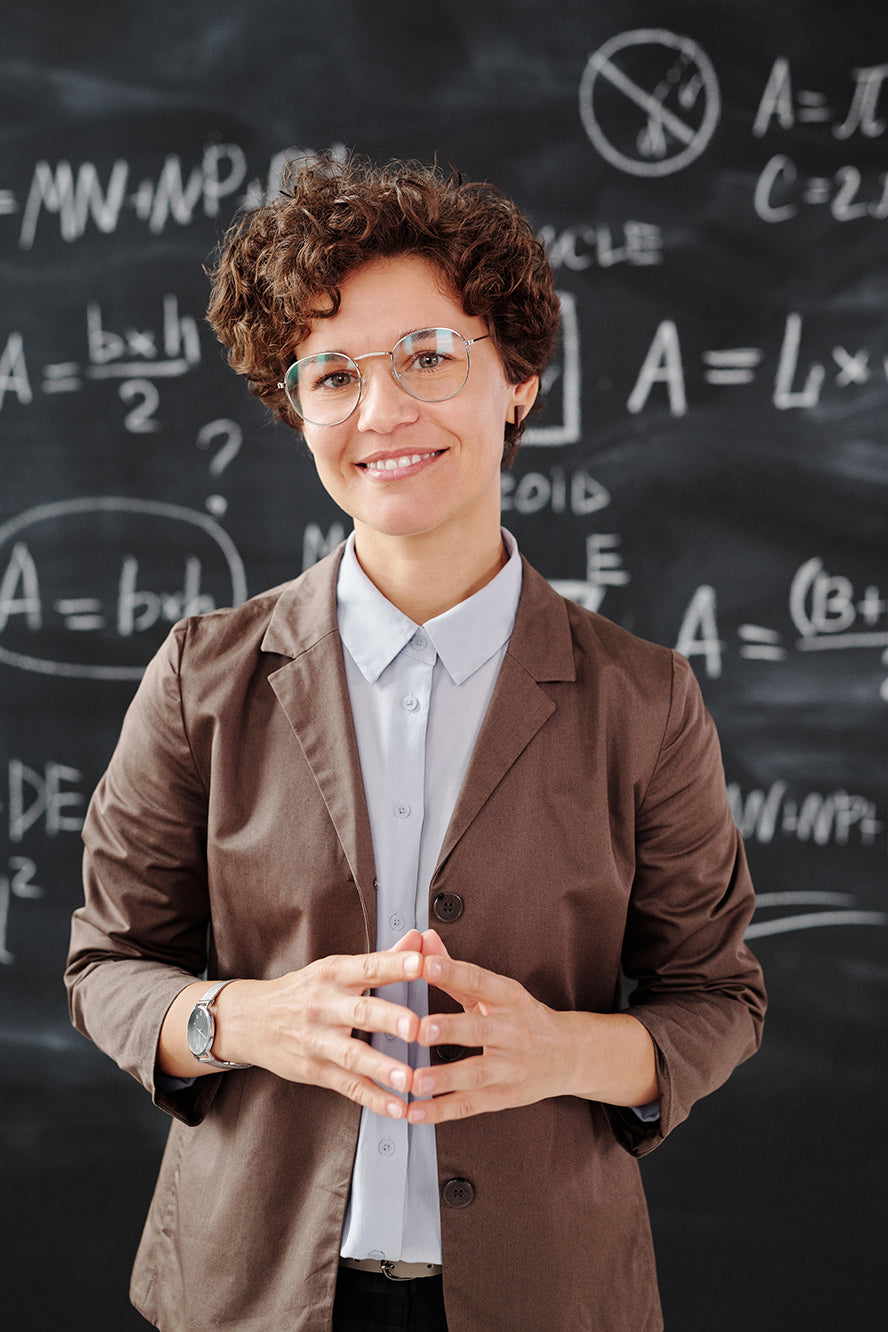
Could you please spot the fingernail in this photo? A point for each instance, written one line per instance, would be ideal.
(434, 1032)
(404, 1028)
(398, 1079)
(424, 1084)
(435, 968)
(395, 1109)
(413, 962)
(417, 1113)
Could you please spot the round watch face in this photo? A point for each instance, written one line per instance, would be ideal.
(201, 1030)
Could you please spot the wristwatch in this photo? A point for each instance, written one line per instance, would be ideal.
(202, 1029)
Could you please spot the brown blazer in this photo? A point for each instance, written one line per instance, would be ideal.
(591, 835)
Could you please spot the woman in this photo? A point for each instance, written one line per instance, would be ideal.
(408, 818)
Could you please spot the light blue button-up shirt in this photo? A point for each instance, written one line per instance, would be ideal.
(418, 697)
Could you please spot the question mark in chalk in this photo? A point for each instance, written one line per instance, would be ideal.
(233, 437)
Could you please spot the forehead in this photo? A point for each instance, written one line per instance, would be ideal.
(386, 298)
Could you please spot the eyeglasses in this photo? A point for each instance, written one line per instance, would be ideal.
(431, 365)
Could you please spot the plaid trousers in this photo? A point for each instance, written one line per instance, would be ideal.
(366, 1302)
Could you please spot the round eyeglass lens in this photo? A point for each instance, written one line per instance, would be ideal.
(323, 389)
(432, 365)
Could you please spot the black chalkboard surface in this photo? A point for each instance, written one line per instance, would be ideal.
(711, 181)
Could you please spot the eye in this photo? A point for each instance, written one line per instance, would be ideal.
(428, 360)
(334, 379)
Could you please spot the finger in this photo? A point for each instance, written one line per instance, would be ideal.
(469, 983)
(464, 1075)
(468, 1028)
(328, 1052)
(411, 942)
(458, 1105)
(367, 971)
(433, 945)
(364, 1091)
(369, 1013)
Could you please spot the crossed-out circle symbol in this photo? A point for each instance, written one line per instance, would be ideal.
(680, 104)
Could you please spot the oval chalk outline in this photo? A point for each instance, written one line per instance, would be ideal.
(117, 504)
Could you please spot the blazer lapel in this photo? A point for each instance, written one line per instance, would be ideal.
(540, 649)
(313, 692)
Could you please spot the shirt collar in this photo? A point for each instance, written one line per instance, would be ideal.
(374, 631)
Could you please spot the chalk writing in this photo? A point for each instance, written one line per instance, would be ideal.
(828, 612)
(77, 195)
(558, 490)
(798, 382)
(781, 190)
(565, 367)
(316, 544)
(639, 245)
(782, 107)
(18, 882)
(233, 437)
(809, 920)
(38, 614)
(831, 819)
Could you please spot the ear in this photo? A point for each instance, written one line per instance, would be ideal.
(522, 398)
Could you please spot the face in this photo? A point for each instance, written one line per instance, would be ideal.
(399, 467)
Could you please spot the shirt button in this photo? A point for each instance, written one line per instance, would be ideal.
(419, 641)
(397, 921)
(447, 907)
(409, 704)
(401, 811)
(458, 1193)
(386, 1147)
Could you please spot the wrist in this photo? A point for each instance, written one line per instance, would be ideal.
(203, 1035)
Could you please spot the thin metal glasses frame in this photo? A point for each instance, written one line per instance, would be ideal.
(353, 360)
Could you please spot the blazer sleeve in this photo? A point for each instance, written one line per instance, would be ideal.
(698, 988)
(142, 934)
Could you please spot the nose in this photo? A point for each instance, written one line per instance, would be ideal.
(384, 403)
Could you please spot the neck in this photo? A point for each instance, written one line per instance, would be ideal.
(422, 578)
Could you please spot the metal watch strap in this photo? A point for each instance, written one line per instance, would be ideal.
(204, 1002)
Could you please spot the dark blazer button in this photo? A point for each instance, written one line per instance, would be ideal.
(447, 906)
(449, 1053)
(458, 1193)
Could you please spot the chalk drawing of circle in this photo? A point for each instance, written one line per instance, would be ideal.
(649, 101)
(151, 509)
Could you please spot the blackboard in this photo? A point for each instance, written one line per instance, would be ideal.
(711, 181)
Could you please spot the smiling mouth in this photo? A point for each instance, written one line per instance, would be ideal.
(399, 463)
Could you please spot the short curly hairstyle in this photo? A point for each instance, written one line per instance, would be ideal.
(280, 265)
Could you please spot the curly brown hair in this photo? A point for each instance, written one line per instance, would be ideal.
(280, 265)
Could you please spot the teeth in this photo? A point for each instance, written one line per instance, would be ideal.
(393, 464)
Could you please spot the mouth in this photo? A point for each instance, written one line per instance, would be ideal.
(395, 465)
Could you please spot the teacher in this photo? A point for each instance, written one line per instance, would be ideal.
(376, 849)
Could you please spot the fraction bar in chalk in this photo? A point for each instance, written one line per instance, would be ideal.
(140, 369)
(843, 641)
(734, 365)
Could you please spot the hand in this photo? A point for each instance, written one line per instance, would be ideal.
(300, 1026)
(524, 1059)
(530, 1051)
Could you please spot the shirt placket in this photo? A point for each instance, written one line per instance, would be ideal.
(402, 905)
